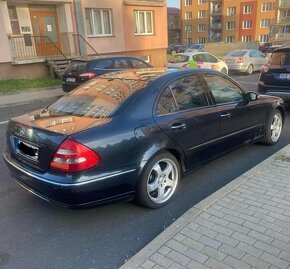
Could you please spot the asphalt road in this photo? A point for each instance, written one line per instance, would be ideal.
(36, 234)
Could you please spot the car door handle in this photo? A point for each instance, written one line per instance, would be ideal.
(178, 126)
(225, 115)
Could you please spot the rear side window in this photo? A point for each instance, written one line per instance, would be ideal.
(223, 90)
(280, 58)
(121, 64)
(138, 64)
(102, 64)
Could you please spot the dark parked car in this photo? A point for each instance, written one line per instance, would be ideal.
(134, 133)
(275, 75)
(177, 48)
(83, 69)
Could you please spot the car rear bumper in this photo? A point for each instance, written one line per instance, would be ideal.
(67, 86)
(280, 91)
(237, 68)
(103, 188)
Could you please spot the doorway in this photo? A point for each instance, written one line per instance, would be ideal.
(46, 32)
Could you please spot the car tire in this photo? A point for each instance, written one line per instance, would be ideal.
(159, 180)
(224, 71)
(273, 128)
(250, 69)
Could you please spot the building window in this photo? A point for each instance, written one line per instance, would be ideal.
(231, 11)
(230, 39)
(201, 27)
(201, 13)
(188, 28)
(247, 25)
(265, 23)
(189, 40)
(143, 22)
(201, 40)
(99, 22)
(266, 7)
(263, 38)
(231, 25)
(201, 2)
(248, 9)
(246, 38)
(188, 2)
(14, 20)
(188, 15)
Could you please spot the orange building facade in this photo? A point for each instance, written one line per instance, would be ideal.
(227, 20)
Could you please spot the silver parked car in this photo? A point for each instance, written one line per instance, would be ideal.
(246, 61)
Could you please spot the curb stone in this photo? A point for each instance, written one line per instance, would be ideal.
(202, 206)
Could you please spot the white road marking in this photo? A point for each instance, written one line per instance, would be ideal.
(3, 122)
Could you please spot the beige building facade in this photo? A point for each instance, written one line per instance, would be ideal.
(33, 31)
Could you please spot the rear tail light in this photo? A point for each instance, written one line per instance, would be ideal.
(264, 69)
(72, 156)
(240, 60)
(86, 76)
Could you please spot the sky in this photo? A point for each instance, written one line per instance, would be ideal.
(173, 3)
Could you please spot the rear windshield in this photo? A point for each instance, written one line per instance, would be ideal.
(237, 53)
(77, 66)
(280, 58)
(179, 59)
(196, 46)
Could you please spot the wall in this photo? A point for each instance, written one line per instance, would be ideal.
(5, 55)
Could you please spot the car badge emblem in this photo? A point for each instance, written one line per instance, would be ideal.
(21, 131)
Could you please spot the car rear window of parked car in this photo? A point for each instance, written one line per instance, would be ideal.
(237, 53)
(102, 64)
(280, 58)
(76, 66)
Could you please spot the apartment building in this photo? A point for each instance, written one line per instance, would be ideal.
(227, 20)
(280, 28)
(173, 24)
(35, 31)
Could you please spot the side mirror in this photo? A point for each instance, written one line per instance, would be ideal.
(251, 96)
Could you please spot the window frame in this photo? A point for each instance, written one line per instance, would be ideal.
(265, 23)
(231, 23)
(93, 24)
(231, 9)
(137, 30)
(247, 24)
(201, 27)
(187, 3)
(201, 14)
(266, 7)
(208, 89)
(248, 9)
(205, 90)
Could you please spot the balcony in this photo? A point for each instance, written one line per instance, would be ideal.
(283, 21)
(216, 26)
(216, 12)
(283, 4)
(282, 37)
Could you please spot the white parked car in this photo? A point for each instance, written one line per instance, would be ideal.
(199, 60)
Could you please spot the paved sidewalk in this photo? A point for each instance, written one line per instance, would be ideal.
(245, 224)
(30, 96)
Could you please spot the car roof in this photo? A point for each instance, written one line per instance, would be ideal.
(193, 52)
(99, 57)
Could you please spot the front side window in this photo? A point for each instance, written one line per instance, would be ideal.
(189, 93)
(99, 22)
(143, 22)
(223, 90)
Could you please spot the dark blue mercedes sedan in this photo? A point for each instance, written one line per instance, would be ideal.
(132, 134)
